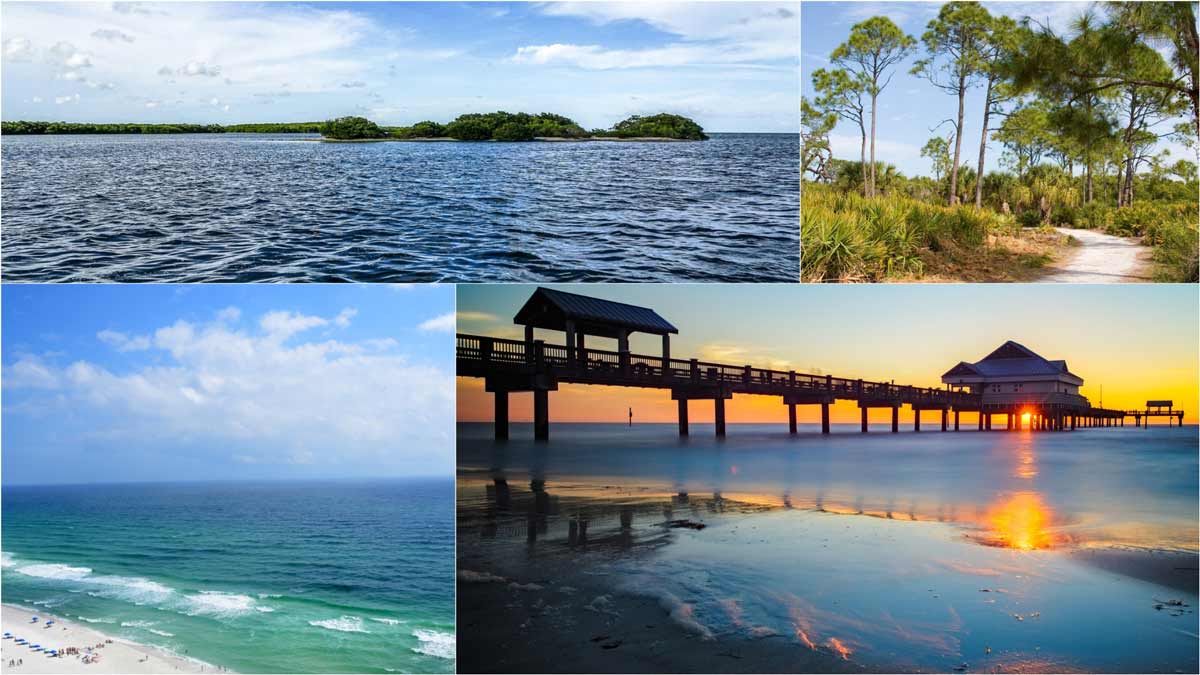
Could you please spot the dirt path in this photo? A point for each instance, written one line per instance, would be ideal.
(1100, 259)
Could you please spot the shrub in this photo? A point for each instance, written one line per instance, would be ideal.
(351, 128)
(662, 125)
(513, 131)
(469, 129)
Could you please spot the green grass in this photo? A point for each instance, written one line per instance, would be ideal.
(847, 237)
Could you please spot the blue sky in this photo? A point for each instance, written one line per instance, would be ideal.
(910, 106)
(730, 66)
(156, 382)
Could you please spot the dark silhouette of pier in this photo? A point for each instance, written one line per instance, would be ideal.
(1155, 409)
(511, 366)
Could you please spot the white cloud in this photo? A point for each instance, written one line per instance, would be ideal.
(282, 325)
(199, 69)
(112, 35)
(708, 33)
(357, 84)
(37, 99)
(279, 403)
(67, 55)
(229, 314)
(18, 49)
(343, 318)
(59, 100)
(30, 372)
(439, 324)
(123, 342)
(477, 316)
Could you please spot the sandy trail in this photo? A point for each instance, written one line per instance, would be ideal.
(115, 657)
(1102, 259)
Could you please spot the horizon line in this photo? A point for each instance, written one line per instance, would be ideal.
(346, 479)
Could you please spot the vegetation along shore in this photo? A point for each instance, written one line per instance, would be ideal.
(497, 126)
(1081, 116)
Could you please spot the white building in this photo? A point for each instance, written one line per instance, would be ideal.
(1014, 375)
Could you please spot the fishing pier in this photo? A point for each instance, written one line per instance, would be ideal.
(512, 366)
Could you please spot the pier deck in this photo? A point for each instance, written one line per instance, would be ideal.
(509, 366)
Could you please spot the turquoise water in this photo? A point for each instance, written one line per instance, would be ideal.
(257, 577)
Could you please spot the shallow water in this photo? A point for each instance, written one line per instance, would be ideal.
(893, 552)
(249, 207)
(257, 577)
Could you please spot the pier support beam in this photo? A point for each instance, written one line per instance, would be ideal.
(1009, 427)
(825, 418)
(864, 419)
(792, 418)
(945, 414)
(500, 418)
(719, 409)
(956, 420)
(683, 417)
(541, 415)
(895, 419)
(987, 422)
(981, 420)
(916, 419)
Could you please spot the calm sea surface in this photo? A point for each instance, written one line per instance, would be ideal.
(249, 207)
(1048, 552)
(257, 577)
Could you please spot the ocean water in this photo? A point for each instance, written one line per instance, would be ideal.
(257, 577)
(1026, 552)
(249, 207)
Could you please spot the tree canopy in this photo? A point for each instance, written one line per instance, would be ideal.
(351, 129)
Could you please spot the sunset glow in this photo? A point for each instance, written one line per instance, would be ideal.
(1021, 522)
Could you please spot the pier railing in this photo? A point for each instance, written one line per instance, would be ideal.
(482, 355)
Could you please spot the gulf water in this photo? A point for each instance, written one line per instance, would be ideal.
(256, 207)
(930, 551)
(354, 576)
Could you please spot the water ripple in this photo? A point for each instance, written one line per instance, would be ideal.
(258, 208)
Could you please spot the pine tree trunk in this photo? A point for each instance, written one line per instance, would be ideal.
(872, 190)
(962, 91)
(987, 111)
(863, 162)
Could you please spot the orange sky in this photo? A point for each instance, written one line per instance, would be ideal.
(1139, 342)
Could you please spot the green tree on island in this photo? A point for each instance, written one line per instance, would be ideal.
(351, 128)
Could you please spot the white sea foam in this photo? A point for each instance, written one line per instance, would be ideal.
(263, 609)
(160, 632)
(137, 624)
(90, 620)
(345, 624)
(6, 559)
(133, 589)
(390, 622)
(433, 643)
(55, 571)
(216, 603)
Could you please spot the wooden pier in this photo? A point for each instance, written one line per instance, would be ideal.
(1141, 418)
(510, 366)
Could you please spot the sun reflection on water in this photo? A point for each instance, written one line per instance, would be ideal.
(1021, 522)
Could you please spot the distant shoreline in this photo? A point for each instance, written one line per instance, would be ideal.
(544, 139)
(119, 656)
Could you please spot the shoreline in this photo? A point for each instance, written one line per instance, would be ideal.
(118, 656)
(537, 139)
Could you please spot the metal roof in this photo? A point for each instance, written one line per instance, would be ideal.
(548, 308)
(1009, 360)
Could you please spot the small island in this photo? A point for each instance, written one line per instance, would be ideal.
(497, 126)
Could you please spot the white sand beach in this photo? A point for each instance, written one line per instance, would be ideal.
(117, 656)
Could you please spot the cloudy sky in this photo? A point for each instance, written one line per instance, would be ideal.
(1137, 340)
(148, 382)
(911, 108)
(731, 66)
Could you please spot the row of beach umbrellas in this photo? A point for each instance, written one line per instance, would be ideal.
(26, 643)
